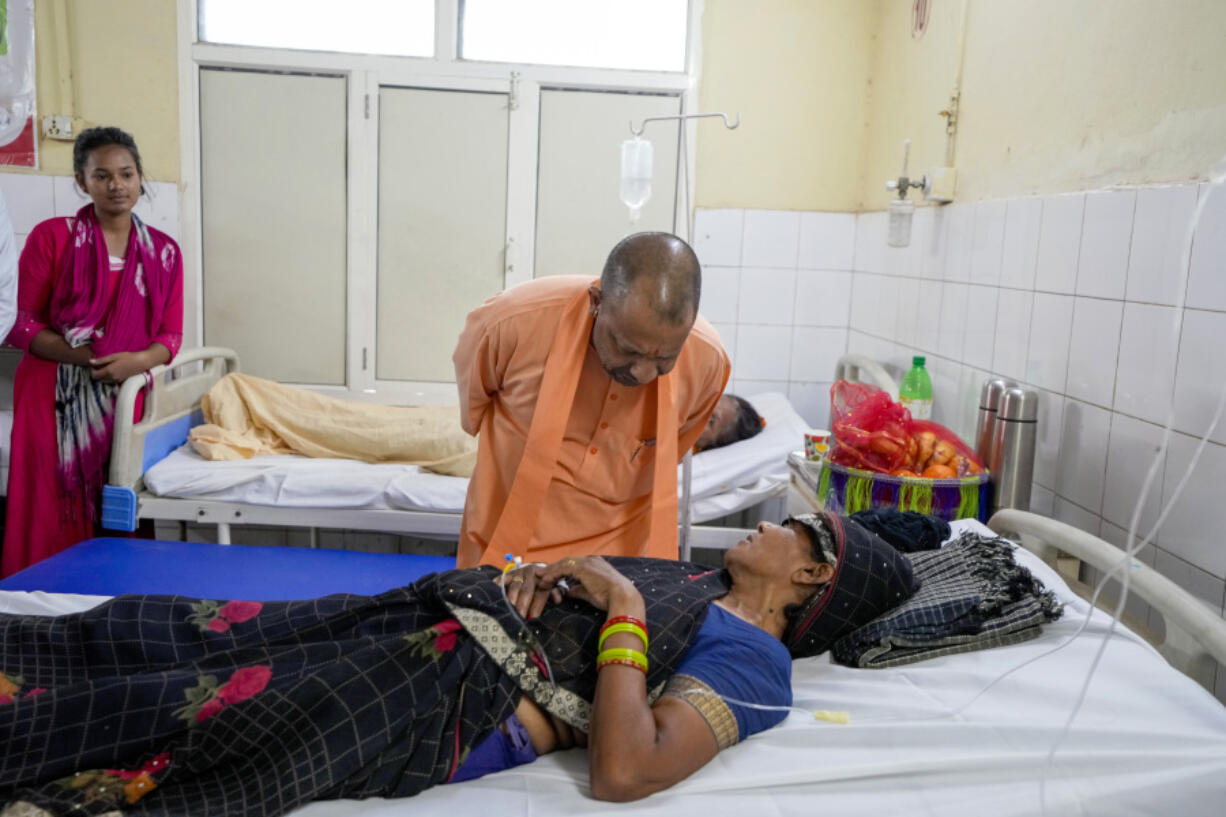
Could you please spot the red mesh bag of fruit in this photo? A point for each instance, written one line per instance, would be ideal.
(873, 432)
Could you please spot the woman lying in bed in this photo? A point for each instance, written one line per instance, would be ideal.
(174, 706)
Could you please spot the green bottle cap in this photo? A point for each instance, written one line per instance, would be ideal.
(918, 360)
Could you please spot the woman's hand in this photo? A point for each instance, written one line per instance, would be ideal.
(520, 585)
(50, 345)
(119, 367)
(589, 578)
(82, 356)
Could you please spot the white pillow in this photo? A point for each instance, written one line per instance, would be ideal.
(745, 462)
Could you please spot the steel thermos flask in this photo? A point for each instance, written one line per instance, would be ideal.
(1013, 441)
(985, 425)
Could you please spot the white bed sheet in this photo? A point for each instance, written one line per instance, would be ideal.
(1148, 741)
(724, 480)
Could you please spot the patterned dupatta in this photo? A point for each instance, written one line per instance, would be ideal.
(86, 311)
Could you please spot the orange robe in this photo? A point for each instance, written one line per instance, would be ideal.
(592, 463)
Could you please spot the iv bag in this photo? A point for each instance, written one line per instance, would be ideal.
(636, 174)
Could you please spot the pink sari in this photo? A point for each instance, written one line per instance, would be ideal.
(64, 419)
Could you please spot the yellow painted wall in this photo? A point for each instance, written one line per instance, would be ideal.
(911, 81)
(124, 73)
(798, 71)
(1058, 95)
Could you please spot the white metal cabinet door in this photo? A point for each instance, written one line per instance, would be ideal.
(442, 223)
(273, 193)
(579, 213)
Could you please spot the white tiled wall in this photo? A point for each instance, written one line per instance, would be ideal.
(1072, 295)
(778, 287)
(33, 198)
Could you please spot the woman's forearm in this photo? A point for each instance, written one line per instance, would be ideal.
(623, 728)
(50, 345)
(156, 355)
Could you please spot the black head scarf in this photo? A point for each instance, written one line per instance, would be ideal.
(870, 578)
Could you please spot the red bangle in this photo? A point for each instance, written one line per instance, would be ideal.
(627, 620)
(625, 661)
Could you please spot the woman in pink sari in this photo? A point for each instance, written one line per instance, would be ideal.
(100, 298)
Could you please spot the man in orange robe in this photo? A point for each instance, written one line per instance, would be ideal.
(585, 395)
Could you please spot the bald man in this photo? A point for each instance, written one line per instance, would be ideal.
(584, 396)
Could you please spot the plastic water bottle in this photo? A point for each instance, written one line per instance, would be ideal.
(916, 390)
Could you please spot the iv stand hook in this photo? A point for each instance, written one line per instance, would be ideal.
(643, 125)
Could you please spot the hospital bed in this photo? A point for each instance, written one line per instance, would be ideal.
(947, 736)
(863, 369)
(155, 476)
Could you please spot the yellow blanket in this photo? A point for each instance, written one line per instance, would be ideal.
(248, 416)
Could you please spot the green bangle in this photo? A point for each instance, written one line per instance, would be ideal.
(622, 627)
(622, 654)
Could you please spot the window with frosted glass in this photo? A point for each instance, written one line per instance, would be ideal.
(648, 35)
(398, 27)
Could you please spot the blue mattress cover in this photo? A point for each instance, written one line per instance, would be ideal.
(113, 567)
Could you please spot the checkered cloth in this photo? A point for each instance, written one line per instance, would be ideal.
(870, 579)
(973, 596)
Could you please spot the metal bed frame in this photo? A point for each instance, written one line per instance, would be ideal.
(851, 366)
(1195, 636)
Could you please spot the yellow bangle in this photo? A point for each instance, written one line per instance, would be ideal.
(620, 654)
(622, 627)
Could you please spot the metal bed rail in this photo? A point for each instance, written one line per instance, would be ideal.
(1195, 635)
(859, 368)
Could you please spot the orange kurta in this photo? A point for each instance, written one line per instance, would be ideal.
(596, 492)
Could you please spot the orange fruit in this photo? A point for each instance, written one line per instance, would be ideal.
(939, 472)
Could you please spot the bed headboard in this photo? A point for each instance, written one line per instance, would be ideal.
(172, 407)
(861, 369)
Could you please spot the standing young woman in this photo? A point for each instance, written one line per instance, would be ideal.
(100, 298)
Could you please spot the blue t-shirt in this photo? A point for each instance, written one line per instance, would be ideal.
(731, 657)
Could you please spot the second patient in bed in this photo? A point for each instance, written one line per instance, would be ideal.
(733, 420)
